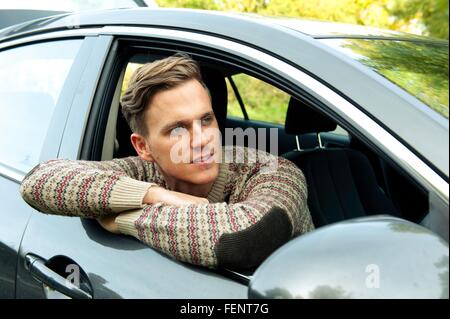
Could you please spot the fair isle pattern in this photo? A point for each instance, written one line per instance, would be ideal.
(243, 193)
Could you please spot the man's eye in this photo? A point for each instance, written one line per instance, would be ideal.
(207, 120)
(178, 130)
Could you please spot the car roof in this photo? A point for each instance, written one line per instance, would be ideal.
(327, 29)
(170, 17)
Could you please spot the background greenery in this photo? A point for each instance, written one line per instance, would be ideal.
(262, 101)
(425, 17)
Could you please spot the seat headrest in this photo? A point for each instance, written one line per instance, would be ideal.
(301, 119)
(215, 81)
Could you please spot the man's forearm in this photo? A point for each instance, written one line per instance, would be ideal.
(85, 189)
(156, 194)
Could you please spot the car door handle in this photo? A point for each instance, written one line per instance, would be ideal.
(36, 266)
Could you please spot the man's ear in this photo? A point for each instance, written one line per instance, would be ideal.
(141, 147)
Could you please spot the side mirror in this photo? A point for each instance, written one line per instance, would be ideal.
(371, 257)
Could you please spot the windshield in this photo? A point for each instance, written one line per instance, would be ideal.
(420, 68)
(69, 5)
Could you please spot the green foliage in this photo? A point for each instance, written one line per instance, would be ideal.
(262, 101)
(433, 14)
(193, 4)
(430, 17)
(420, 69)
(254, 6)
(362, 12)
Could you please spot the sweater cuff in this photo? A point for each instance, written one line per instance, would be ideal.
(128, 193)
(126, 222)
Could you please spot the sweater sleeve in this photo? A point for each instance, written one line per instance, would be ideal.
(193, 233)
(87, 188)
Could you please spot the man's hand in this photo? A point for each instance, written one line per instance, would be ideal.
(108, 223)
(157, 194)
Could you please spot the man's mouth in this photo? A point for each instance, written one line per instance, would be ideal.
(206, 158)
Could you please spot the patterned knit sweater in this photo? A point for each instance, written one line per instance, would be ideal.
(243, 193)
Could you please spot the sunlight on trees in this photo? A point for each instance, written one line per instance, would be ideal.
(425, 17)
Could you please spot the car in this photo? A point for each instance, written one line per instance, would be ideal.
(362, 111)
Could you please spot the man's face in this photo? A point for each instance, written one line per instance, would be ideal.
(183, 135)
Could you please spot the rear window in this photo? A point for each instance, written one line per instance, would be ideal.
(420, 68)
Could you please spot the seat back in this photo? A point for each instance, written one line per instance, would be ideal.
(341, 181)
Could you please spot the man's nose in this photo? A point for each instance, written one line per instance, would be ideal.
(199, 137)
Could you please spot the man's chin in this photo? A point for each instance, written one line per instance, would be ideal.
(204, 175)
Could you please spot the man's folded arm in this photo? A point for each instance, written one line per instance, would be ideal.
(87, 188)
(271, 210)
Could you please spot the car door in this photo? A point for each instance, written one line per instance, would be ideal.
(32, 81)
(63, 257)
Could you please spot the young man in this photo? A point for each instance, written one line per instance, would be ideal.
(182, 195)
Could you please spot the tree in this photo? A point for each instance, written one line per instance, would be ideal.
(193, 4)
(433, 14)
(428, 17)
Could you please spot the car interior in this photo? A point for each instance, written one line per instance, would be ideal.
(346, 176)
